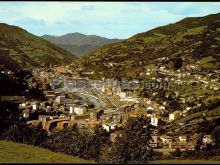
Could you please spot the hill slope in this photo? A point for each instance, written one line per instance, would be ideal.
(11, 152)
(78, 43)
(19, 48)
(177, 64)
(190, 39)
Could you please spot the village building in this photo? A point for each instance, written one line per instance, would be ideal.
(50, 94)
(182, 138)
(174, 115)
(115, 134)
(207, 139)
(154, 121)
(122, 95)
(81, 109)
(60, 100)
(154, 141)
(166, 140)
(26, 113)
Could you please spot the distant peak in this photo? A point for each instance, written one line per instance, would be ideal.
(74, 34)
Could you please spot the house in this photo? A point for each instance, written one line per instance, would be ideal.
(148, 101)
(34, 107)
(182, 138)
(115, 134)
(162, 108)
(26, 113)
(79, 110)
(166, 139)
(23, 105)
(43, 119)
(154, 141)
(183, 100)
(150, 108)
(199, 105)
(207, 139)
(162, 68)
(130, 99)
(164, 103)
(188, 108)
(154, 121)
(108, 127)
(148, 73)
(60, 99)
(122, 95)
(96, 114)
(71, 109)
(109, 91)
(62, 108)
(183, 113)
(50, 94)
(174, 115)
(136, 105)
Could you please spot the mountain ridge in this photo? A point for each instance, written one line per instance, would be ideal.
(187, 38)
(76, 42)
(24, 49)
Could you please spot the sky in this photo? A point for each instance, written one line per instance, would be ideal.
(108, 19)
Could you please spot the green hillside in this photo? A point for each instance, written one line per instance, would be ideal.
(191, 39)
(11, 152)
(20, 48)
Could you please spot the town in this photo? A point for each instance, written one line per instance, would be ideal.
(74, 100)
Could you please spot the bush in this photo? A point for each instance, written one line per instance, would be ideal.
(188, 154)
(177, 153)
(216, 136)
(133, 146)
(22, 133)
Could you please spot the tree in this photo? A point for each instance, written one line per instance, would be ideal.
(22, 133)
(134, 145)
(199, 141)
(216, 136)
(69, 140)
(95, 141)
(177, 153)
(9, 115)
(178, 63)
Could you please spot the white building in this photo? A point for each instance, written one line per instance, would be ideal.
(207, 139)
(148, 73)
(80, 110)
(182, 138)
(172, 116)
(71, 110)
(161, 108)
(150, 108)
(130, 99)
(59, 99)
(34, 107)
(108, 127)
(26, 114)
(154, 121)
(122, 95)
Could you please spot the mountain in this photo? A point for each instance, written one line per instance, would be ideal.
(78, 43)
(191, 39)
(19, 48)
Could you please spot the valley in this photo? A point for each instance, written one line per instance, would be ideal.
(167, 77)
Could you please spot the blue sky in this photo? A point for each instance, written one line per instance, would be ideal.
(107, 19)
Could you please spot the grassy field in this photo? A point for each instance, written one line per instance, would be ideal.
(184, 162)
(11, 152)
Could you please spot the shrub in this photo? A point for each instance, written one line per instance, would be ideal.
(177, 153)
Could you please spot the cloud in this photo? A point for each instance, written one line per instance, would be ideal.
(108, 19)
